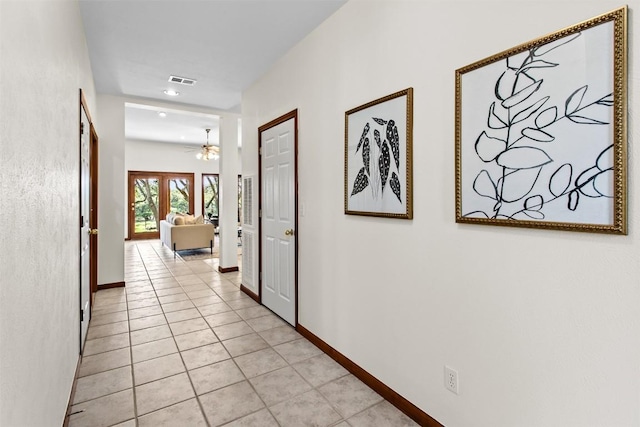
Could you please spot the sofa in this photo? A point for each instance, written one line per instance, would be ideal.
(180, 232)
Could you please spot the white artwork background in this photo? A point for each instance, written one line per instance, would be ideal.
(584, 69)
(370, 199)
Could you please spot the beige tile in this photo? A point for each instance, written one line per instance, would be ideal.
(187, 326)
(100, 345)
(264, 323)
(186, 414)
(320, 370)
(179, 316)
(104, 411)
(232, 330)
(173, 298)
(110, 308)
(208, 310)
(308, 409)
(251, 312)
(104, 362)
(297, 351)
(221, 406)
(106, 318)
(140, 296)
(260, 362)
(130, 423)
(195, 339)
(201, 293)
(147, 302)
(155, 369)
(168, 284)
(147, 322)
(150, 334)
(188, 279)
(231, 295)
(215, 376)
(137, 313)
(222, 319)
(382, 414)
(280, 335)
(138, 289)
(348, 395)
(277, 386)
(107, 330)
(169, 291)
(98, 385)
(162, 393)
(205, 355)
(167, 277)
(245, 344)
(153, 349)
(200, 302)
(200, 286)
(111, 300)
(244, 302)
(262, 418)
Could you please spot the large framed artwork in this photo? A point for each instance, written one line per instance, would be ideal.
(541, 132)
(378, 157)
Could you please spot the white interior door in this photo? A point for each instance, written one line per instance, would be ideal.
(85, 230)
(278, 285)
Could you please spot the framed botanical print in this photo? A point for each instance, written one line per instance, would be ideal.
(541, 132)
(378, 163)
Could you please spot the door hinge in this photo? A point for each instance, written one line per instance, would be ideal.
(81, 128)
(81, 315)
(260, 276)
(260, 213)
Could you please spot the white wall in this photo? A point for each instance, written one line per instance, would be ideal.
(44, 62)
(542, 326)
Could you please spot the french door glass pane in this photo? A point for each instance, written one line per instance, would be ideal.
(210, 195)
(146, 205)
(179, 195)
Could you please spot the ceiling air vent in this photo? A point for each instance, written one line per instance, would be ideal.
(182, 80)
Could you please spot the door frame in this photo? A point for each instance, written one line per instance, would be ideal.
(93, 218)
(164, 203)
(93, 208)
(288, 116)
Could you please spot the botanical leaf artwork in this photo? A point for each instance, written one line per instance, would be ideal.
(375, 174)
(377, 164)
(543, 150)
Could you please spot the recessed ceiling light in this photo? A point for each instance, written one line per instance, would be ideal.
(162, 114)
(182, 137)
(171, 92)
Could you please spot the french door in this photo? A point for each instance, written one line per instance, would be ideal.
(152, 195)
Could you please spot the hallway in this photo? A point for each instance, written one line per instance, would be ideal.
(181, 345)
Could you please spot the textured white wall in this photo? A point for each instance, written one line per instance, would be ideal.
(43, 63)
(542, 326)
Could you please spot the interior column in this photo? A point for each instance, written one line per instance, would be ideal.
(228, 194)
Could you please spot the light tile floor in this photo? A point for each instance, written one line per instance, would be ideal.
(181, 345)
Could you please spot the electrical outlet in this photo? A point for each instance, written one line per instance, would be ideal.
(451, 379)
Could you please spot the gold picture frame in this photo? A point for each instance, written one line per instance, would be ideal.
(378, 141)
(541, 132)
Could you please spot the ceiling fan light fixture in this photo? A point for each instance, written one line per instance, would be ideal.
(162, 114)
(208, 152)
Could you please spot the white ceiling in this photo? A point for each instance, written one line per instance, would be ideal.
(226, 45)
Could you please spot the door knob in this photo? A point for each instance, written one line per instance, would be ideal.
(288, 232)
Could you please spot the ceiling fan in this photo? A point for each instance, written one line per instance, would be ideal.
(208, 151)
